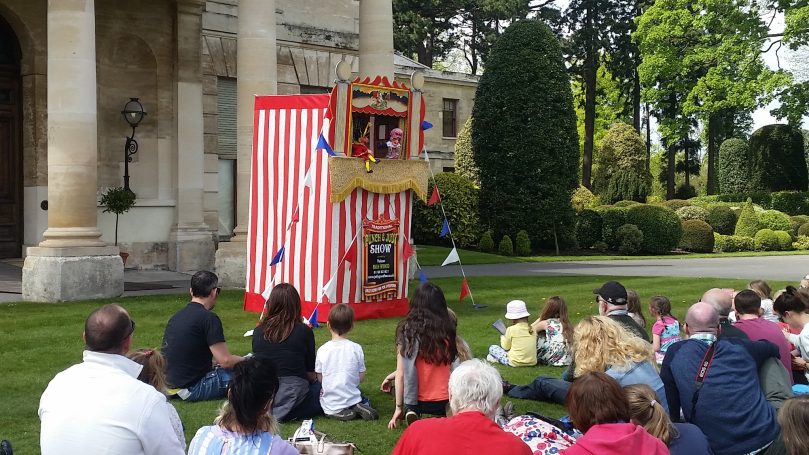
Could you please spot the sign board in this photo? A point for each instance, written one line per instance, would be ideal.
(380, 239)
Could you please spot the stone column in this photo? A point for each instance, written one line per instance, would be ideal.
(191, 244)
(376, 38)
(257, 75)
(72, 262)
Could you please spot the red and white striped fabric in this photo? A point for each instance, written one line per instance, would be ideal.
(287, 129)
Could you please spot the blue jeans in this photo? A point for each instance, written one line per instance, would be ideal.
(212, 386)
(543, 388)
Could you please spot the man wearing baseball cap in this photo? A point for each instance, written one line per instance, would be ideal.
(611, 299)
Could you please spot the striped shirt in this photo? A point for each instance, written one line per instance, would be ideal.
(215, 440)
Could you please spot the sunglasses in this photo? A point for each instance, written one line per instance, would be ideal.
(218, 290)
(131, 329)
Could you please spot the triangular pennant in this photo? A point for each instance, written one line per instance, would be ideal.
(426, 156)
(278, 257)
(313, 320)
(444, 229)
(295, 216)
(266, 294)
(351, 253)
(422, 277)
(330, 289)
(308, 180)
(323, 145)
(407, 250)
(464, 289)
(435, 198)
(425, 125)
(452, 257)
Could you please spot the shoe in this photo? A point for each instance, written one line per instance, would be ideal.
(345, 414)
(490, 358)
(365, 412)
(5, 448)
(507, 386)
(411, 417)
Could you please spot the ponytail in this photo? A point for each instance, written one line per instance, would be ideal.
(647, 412)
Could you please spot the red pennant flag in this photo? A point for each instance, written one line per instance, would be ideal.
(295, 216)
(435, 197)
(351, 253)
(407, 250)
(464, 289)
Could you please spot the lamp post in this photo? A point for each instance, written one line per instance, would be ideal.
(133, 114)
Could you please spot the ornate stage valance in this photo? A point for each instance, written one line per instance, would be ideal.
(389, 176)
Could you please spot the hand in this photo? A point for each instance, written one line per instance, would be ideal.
(388, 382)
(798, 364)
(397, 415)
(786, 333)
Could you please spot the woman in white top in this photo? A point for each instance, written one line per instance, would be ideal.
(793, 309)
(154, 374)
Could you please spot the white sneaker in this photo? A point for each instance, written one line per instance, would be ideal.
(491, 358)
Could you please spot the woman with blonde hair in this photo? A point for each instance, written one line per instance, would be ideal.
(794, 420)
(154, 374)
(600, 345)
(681, 438)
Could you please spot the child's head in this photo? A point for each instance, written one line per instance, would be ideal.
(747, 302)
(633, 301)
(660, 305)
(794, 420)
(154, 367)
(516, 311)
(761, 288)
(644, 410)
(452, 316)
(790, 306)
(341, 319)
(555, 307)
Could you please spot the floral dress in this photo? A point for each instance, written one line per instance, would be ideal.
(551, 347)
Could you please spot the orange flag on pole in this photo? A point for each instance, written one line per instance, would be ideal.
(464, 289)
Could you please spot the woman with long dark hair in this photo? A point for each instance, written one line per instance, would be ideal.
(245, 425)
(425, 351)
(289, 344)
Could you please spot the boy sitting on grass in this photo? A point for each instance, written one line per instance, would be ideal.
(340, 367)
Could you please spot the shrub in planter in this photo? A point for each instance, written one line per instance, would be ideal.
(523, 244)
(722, 219)
(506, 247)
(460, 199)
(588, 228)
(748, 224)
(791, 202)
(802, 243)
(784, 240)
(611, 219)
(697, 236)
(775, 220)
(804, 229)
(767, 240)
(796, 222)
(486, 243)
(732, 243)
(630, 239)
(692, 212)
(660, 226)
(675, 204)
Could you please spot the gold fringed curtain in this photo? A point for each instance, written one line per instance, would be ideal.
(389, 176)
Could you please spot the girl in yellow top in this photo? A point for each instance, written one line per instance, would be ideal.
(518, 347)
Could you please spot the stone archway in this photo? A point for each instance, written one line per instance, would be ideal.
(11, 176)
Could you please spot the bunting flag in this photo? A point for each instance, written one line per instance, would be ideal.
(464, 289)
(266, 293)
(407, 250)
(330, 289)
(295, 216)
(425, 125)
(312, 322)
(351, 253)
(427, 158)
(435, 198)
(279, 256)
(444, 229)
(307, 179)
(323, 145)
(451, 258)
(422, 277)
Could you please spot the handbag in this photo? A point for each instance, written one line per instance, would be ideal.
(324, 447)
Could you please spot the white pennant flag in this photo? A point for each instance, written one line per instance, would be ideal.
(308, 180)
(453, 257)
(266, 293)
(426, 156)
(330, 289)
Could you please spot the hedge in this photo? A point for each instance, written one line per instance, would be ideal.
(612, 218)
(460, 199)
(733, 243)
(722, 219)
(791, 202)
(784, 240)
(778, 159)
(775, 220)
(748, 224)
(684, 191)
(486, 243)
(583, 199)
(692, 212)
(767, 240)
(630, 239)
(588, 228)
(762, 198)
(801, 243)
(660, 226)
(735, 166)
(803, 230)
(675, 204)
(697, 236)
(796, 222)
(625, 203)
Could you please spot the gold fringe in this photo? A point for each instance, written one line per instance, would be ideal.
(388, 177)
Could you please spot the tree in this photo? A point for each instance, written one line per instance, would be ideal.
(464, 160)
(735, 163)
(779, 162)
(621, 169)
(524, 138)
(423, 28)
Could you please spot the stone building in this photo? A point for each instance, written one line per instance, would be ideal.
(68, 67)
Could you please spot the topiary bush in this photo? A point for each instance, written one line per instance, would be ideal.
(625, 203)
(630, 239)
(762, 198)
(784, 240)
(747, 225)
(611, 219)
(464, 161)
(626, 184)
(506, 247)
(524, 137)
(803, 230)
(767, 240)
(722, 219)
(621, 151)
(523, 244)
(583, 199)
(733, 243)
(588, 228)
(778, 159)
(486, 243)
(692, 212)
(697, 236)
(775, 220)
(675, 204)
(460, 199)
(684, 191)
(791, 202)
(796, 222)
(660, 226)
(801, 243)
(735, 166)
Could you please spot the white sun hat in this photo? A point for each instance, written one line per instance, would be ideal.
(516, 310)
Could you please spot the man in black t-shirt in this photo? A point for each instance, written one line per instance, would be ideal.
(192, 339)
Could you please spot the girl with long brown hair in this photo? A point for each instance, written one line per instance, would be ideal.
(555, 334)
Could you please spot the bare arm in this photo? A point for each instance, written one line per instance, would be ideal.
(539, 326)
(656, 342)
(398, 391)
(223, 357)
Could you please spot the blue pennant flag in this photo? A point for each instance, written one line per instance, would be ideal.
(278, 257)
(323, 145)
(425, 125)
(313, 320)
(422, 277)
(444, 229)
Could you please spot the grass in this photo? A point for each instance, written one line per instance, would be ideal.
(429, 255)
(39, 340)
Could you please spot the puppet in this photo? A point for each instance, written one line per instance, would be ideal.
(395, 144)
(360, 149)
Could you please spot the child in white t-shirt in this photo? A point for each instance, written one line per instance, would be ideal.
(340, 367)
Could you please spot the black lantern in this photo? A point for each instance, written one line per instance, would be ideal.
(133, 114)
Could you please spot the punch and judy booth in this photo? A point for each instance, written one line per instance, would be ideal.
(331, 193)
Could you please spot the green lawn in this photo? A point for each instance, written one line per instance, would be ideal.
(434, 255)
(39, 340)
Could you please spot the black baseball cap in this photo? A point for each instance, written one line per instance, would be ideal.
(613, 292)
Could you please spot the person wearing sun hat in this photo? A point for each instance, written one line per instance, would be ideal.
(518, 347)
(611, 300)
